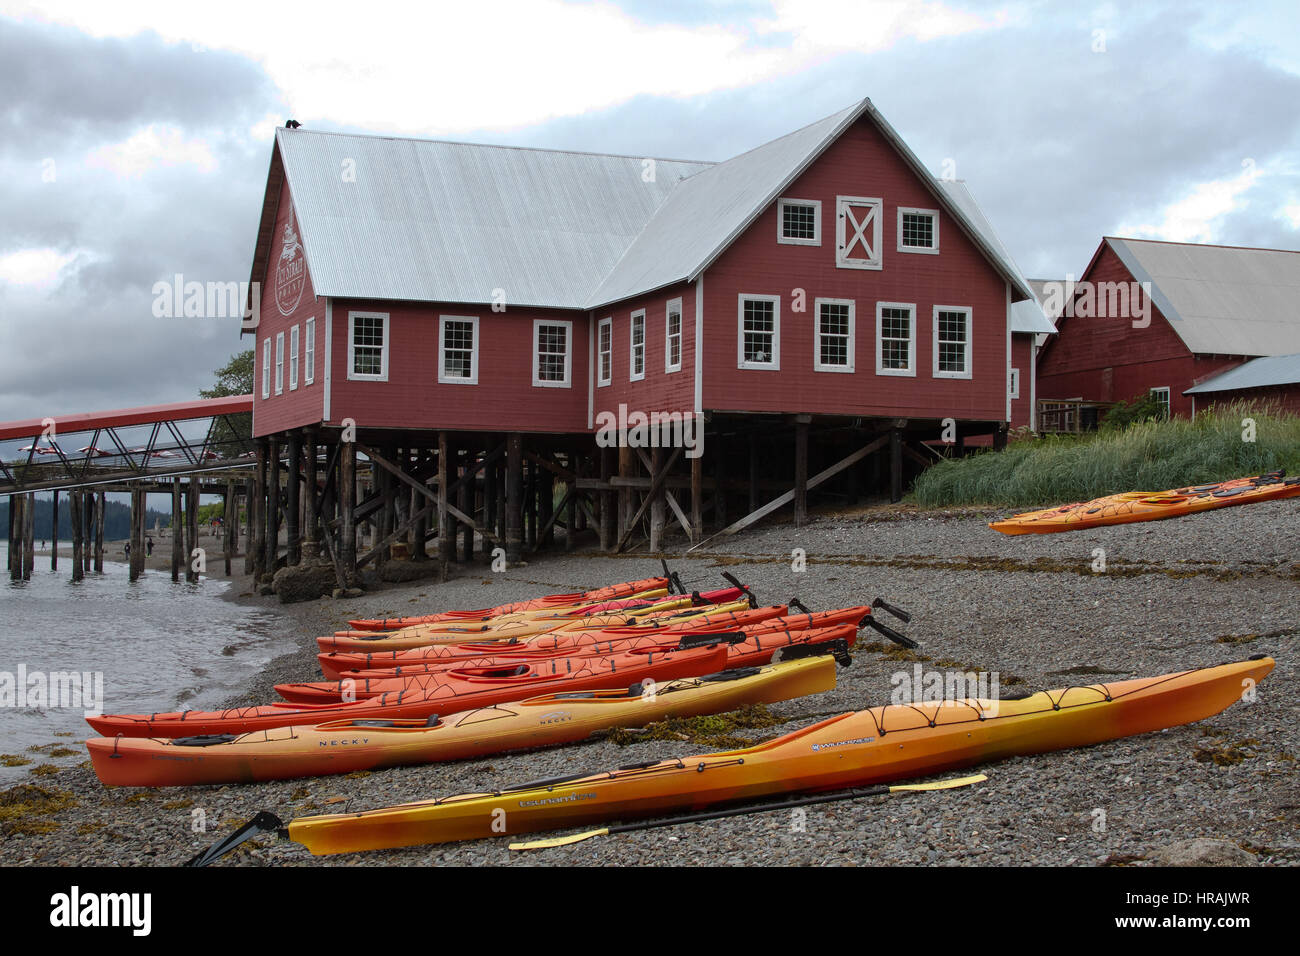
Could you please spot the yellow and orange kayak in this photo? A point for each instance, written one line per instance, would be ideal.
(612, 592)
(1131, 506)
(855, 749)
(344, 746)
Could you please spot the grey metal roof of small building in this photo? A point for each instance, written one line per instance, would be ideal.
(1257, 373)
(1221, 300)
(427, 220)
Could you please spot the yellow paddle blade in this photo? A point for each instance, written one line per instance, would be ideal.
(941, 784)
(558, 841)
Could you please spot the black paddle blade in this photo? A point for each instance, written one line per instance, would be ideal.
(735, 583)
(898, 612)
(798, 605)
(704, 640)
(838, 649)
(892, 634)
(675, 585)
(264, 822)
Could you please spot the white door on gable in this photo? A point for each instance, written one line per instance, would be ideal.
(857, 232)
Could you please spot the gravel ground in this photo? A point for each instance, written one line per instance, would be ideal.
(1174, 594)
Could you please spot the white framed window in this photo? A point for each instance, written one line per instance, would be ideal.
(1161, 395)
(279, 363)
(799, 222)
(293, 357)
(309, 353)
(458, 349)
(552, 353)
(266, 368)
(673, 336)
(368, 346)
(895, 338)
(833, 348)
(857, 232)
(918, 230)
(636, 347)
(758, 320)
(1015, 383)
(952, 341)
(605, 351)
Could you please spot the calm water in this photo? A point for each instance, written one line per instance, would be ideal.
(158, 646)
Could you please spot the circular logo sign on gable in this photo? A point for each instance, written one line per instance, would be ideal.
(290, 270)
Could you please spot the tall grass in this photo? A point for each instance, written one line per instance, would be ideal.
(1148, 456)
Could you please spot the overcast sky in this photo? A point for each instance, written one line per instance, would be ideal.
(135, 137)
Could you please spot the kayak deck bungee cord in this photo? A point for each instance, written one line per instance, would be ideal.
(1133, 506)
(345, 746)
(876, 745)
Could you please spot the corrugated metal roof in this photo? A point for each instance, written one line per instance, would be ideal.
(1026, 315)
(437, 221)
(1257, 373)
(1221, 300)
(426, 220)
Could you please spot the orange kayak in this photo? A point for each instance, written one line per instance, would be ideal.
(344, 746)
(452, 692)
(425, 635)
(613, 591)
(855, 749)
(1131, 506)
(743, 649)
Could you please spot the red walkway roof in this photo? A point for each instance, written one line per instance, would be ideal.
(124, 417)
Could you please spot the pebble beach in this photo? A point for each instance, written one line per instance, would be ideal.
(1041, 612)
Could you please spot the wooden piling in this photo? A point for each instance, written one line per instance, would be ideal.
(466, 505)
(657, 504)
(293, 503)
(135, 563)
(192, 530)
(54, 533)
(257, 511)
(88, 519)
(311, 503)
(446, 540)
(895, 465)
(545, 480)
(11, 552)
(178, 533)
(801, 471)
(348, 512)
(514, 497)
(75, 516)
(229, 518)
(99, 533)
(250, 520)
(753, 473)
(273, 515)
(697, 499)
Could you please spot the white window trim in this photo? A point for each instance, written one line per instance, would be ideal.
(784, 240)
(632, 374)
(910, 371)
(681, 336)
(970, 336)
(741, 299)
(1160, 390)
(443, 378)
(934, 219)
(568, 352)
(841, 232)
(601, 379)
(279, 363)
(1015, 383)
(294, 341)
(266, 367)
(817, 335)
(309, 353)
(353, 374)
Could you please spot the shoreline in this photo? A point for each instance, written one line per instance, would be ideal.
(1178, 593)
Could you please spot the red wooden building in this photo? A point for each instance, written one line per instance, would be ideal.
(479, 313)
(1173, 318)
